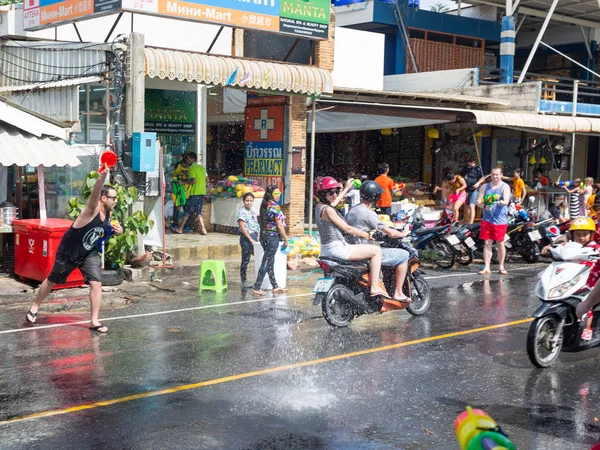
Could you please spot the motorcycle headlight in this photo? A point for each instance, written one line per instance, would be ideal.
(562, 289)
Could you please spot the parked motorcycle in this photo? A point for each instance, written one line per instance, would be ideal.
(344, 292)
(433, 241)
(521, 241)
(561, 287)
(464, 245)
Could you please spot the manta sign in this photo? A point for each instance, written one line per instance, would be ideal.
(301, 18)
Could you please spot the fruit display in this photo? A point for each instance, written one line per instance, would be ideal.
(234, 186)
(304, 246)
(398, 189)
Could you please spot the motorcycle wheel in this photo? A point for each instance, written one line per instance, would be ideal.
(420, 295)
(465, 256)
(529, 253)
(336, 311)
(539, 348)
(444, 253)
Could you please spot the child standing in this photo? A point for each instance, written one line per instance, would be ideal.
(249, 228)
(574, 198)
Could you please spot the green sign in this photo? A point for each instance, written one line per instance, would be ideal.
(305, 17)
(170, 112)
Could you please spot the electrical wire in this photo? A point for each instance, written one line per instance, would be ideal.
(48, 73)
(37, 63)
(57, 49)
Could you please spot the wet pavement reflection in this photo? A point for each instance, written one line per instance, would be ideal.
(405, 397)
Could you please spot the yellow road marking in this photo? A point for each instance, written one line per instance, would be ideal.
(129, 398)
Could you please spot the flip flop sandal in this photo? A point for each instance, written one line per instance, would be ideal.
(98, 330)
(485, 272)
(34, 315)
(259, 293)
(279, 291)
(503, 272)
(403, 300)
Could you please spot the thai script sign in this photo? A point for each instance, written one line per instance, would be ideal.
(301, 18)
(263, 148)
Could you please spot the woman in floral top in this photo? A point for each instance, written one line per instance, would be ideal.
(272, 230)
(249, 228)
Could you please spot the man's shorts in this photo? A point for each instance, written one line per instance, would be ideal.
(393, 257)
(472, 197)
(194, 205)
(489, 231)
(90, 268)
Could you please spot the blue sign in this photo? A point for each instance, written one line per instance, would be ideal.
(263, 159)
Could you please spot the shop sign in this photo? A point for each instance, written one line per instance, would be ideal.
(263, 159)
(263, 148)
(300, 18)
(260, 99)
(170, 112)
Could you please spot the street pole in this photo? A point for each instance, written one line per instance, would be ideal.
(507, 45)
(574, 114)
(537, 41)
(313, 132)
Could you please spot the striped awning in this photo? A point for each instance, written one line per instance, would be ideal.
(217, 70)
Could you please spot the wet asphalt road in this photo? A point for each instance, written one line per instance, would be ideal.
(231, 372)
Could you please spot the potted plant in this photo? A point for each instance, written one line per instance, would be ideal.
(118, 248)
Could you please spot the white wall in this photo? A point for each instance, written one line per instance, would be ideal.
(159, 32)
(358, 59)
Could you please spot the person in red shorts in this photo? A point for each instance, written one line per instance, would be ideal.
(495, 220)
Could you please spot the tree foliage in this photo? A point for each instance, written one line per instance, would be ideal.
(10, 2)
(440, 7)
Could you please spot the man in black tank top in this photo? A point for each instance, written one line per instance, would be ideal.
(78, 249)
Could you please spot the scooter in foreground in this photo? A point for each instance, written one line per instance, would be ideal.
(561, 287)
(344, 292)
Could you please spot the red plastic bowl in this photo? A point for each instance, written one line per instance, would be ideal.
(109, 158)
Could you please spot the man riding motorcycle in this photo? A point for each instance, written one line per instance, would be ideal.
(364, 218)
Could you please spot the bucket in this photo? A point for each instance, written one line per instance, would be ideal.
(470, 423)
(8, 213)
(280, 267)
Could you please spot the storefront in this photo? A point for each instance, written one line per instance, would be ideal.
(254, 114)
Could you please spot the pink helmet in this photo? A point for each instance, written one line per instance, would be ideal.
(326, 183)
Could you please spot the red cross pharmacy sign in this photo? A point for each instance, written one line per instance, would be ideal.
(263, 148)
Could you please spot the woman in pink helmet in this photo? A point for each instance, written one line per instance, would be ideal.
(331, 225)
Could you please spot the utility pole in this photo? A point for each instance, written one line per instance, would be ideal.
(135, 107)
(507, 45)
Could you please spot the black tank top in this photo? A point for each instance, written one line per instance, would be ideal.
(78, 243)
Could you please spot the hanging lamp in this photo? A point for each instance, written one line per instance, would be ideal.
(532, 159)
(542, 160)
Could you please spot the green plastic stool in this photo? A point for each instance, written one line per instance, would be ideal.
(213, 269)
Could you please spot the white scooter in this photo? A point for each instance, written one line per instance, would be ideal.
(561, 287)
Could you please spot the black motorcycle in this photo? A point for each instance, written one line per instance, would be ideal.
(344, 292)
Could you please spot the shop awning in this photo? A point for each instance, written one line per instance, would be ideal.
(520, 121)
(31, 122)
(21, 148)
(217, 70)
(559, 124)
(341, 122)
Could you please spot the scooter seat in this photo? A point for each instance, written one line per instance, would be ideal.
(423, 231)
(345, 262)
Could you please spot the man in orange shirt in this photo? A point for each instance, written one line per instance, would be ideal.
(387, 184)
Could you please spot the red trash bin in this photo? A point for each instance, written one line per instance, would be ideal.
(36, 242)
